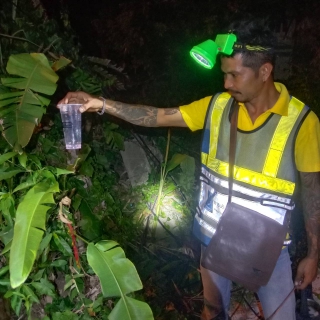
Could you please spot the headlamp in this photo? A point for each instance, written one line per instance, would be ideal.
(206, 52)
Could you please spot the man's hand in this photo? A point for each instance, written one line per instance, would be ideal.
(89, 102)
(308, 267)
(306, 273)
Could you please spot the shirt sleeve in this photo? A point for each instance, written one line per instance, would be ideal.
(307, 150)
(194, 113)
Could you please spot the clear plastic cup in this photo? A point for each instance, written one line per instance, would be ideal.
(71, 120)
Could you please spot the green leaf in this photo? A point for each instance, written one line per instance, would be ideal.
(188, 166)
(90, 225)
(175, 161)
(38, 275)
(24, 185)
(7, 248)
(44, 243)
(76, 201)
(60, 171)
(24, 110)
(4, 270)
(16, 303)
(62, 245)
(6, 235)
(7, 156)
(23, 159)
(35, 160)
(7, 207)
(118, 140)
(169, 188)
(29, 229)
(4, 282)
(69, 282)
(58, 263)
(61, 63)
(30, 294)
(130, 309)
(117, 274)
(44, 287)
(46, 144)
(35, 70)
(67, 315)
(86, 169)
(8, 173)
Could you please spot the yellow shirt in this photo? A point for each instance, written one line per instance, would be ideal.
(307, 148)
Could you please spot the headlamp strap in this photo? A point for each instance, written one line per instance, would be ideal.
(247, 47)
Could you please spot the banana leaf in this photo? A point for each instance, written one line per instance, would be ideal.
(118, 277)
(129, 308)
(21, 110)
(29, 229)
(61, 63)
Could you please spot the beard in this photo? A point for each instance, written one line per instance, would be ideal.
(236, 95)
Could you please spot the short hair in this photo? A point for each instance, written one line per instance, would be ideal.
(254, 33)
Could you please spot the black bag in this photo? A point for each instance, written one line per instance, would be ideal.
(245, 247)
(246, 244)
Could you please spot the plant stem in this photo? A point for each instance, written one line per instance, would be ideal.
(82, 239)
(18, 38)
(163, 175)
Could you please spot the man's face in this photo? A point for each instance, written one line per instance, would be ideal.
(243, 83)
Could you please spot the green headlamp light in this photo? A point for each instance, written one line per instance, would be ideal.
(206, 52)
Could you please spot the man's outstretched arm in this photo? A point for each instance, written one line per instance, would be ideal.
(308, 267)
(141, 115)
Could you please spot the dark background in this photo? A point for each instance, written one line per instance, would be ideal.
(151, 40)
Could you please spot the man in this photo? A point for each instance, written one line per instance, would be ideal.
(248, 78)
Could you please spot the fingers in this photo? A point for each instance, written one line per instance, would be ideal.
(93, 105)
(77, 97)
(68, 96)
(85, 107)
(299, 279)
(302, 284)
(89, 103)
(306, 273)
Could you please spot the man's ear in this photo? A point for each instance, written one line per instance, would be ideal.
(265, 71)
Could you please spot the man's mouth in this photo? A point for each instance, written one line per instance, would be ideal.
(233, 93)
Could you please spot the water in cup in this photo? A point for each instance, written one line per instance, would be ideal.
(71, 120)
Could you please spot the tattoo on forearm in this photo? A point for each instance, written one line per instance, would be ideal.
(136, 114)
(170, 111)
(311, 208)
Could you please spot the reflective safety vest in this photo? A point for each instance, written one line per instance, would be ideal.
(264, 170)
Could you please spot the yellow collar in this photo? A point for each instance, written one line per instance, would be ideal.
(281, 106)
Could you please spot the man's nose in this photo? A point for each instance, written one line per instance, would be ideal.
(228, 84)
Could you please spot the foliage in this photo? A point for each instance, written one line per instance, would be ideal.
(32, 30)
(28, 229)
(118, 278)
(29, 252)
(176, 160)
(21, 110)
(36, 245)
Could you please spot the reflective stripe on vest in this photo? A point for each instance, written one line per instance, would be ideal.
(267, 179)
(280, 138)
